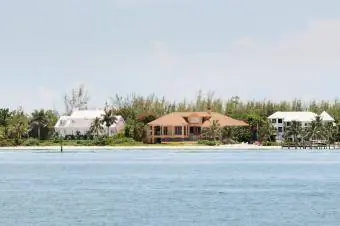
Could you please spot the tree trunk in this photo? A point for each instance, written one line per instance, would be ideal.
(6, 131)
(39, 133)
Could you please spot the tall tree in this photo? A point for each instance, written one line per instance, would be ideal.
(109, 118)
(254, 121)
(39, 121)
(5, 116)
(316, 130)
(18, 126)
(266, 131)
(294, 130)
(96, 127)
(330, 130)
(135, 129)
(77, 99)
(52, 117)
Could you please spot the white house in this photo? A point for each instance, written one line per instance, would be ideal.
(280, 120)
(80, 122)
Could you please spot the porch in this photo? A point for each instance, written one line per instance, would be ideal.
(175, 133)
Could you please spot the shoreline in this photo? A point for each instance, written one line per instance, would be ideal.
(144, 147)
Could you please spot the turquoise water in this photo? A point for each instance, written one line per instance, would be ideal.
(170, 188)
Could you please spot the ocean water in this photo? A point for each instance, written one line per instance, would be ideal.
(177, 188)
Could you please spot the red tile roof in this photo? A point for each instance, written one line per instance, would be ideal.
(177, 119)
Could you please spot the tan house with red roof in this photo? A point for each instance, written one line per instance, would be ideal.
(186, 126)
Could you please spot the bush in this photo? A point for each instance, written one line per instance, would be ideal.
(119, 136)
(120, 139)
(31, 142)
(208, 142)
(6, 143)
(270, 143)
(100, 141)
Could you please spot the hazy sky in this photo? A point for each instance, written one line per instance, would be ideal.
(254, 49)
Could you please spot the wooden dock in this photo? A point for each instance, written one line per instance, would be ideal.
(310, 146)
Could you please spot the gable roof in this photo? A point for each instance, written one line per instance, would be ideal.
(82, 119)
(77, 122)
(91, 113)
(300, 116)
(223, 120)
(177, 118)
(288, 116)
(169, 120)
(193, 114)
(326, 117)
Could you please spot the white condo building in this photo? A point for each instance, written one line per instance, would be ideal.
(80, 122)
(280, 120)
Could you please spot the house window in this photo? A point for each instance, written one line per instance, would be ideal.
(280, 120)
(178, 130)
(274, 120)
(288, 123)
(165, 131)
(279, 129)
(158, 130)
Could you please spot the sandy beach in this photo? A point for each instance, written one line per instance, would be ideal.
(146, 147)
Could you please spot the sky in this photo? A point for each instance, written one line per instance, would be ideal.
(260, 49)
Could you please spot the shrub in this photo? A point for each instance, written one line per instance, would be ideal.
(270, 143)
(31, 142)
(6, 143)
(208, 142)
(119, 136)
(100, 141)
(120, 139)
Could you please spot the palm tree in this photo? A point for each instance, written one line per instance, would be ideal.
(52, 118)
(96, 126)
(294, 130)
(330, 131)
(109, 118)
(266, 131)
(5, 116)
(39, 120)
(254, 122)
(316, 130)
(213, 132)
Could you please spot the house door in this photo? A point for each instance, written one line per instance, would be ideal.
(194, 130)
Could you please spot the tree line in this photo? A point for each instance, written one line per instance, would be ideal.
(17, 125)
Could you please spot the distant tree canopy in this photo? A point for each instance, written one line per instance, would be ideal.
(77, 99)
(133, 105)
(139, 110)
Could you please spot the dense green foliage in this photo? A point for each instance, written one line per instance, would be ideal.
(20, 128)
(317, 131)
